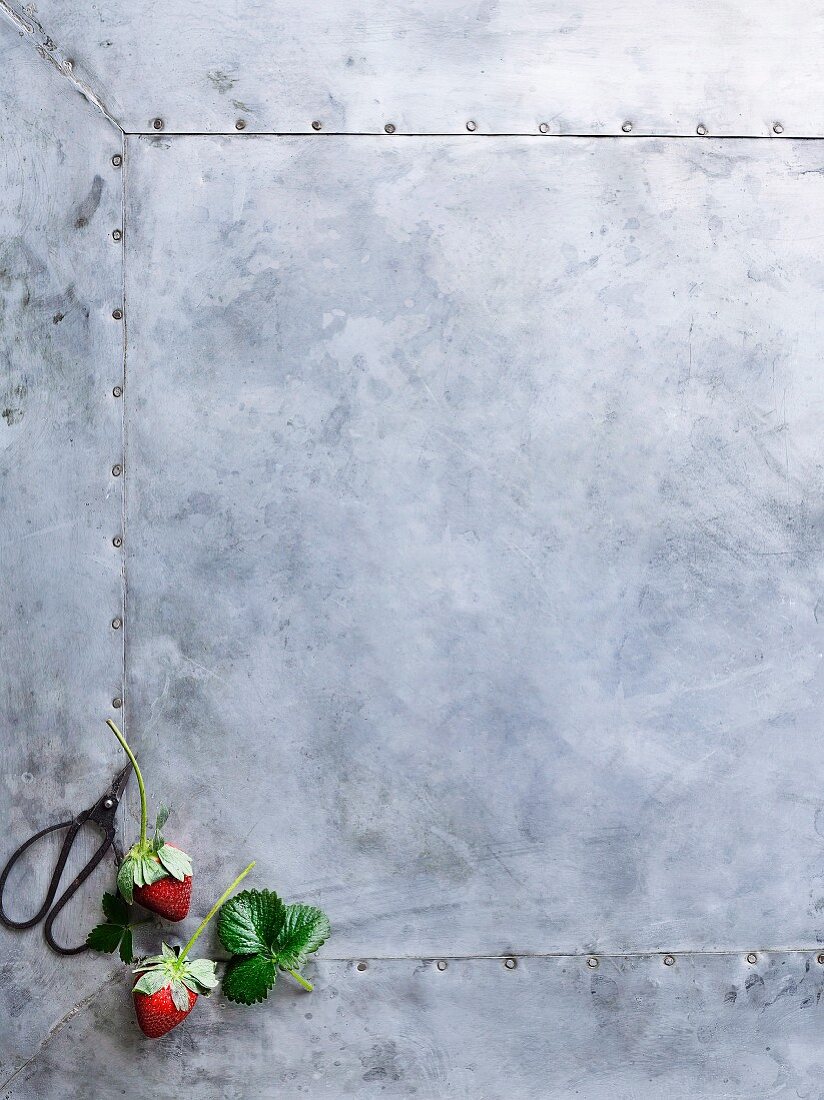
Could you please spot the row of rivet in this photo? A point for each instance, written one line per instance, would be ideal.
(117, 469)
(543, 127)
(593, 961)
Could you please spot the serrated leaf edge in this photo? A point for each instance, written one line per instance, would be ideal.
(232, 964)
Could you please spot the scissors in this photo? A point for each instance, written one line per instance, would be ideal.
(102, 814)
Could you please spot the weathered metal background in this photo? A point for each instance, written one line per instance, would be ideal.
(508, 65)
(469, 504)
(61, 663)
(633, 1029)
(472, 535)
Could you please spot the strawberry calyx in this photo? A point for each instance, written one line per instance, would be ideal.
(173, 969)
(150, 860)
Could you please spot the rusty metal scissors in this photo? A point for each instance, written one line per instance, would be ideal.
(102, 814)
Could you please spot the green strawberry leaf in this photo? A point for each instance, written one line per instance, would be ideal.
(249, 980)
(162, 817)
(115, 932)
(249, 923)
(125, 879)
(115, 909)
(106, 938)
(137, 871)
(180, 995)
(126, 947)
(263, 934)
(151, 982)
(176, 863)
(304, 930)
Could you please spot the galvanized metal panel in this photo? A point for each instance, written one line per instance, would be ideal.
(474, 544)
(735, 68)
(473, 529)
(61, 664)
(709, 1027)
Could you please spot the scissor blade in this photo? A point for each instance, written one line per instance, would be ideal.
(119, 782)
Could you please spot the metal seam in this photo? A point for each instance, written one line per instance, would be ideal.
(80, 1006)
(124, 694)
(581, 955)
(48, 49)
(476, 135)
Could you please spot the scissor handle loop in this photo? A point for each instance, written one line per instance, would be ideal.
(73, 826)
(68, 893)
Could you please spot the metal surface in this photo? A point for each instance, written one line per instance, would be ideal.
(60, 577)
(711, 1027)
(738, 67)
(486, 539)
(472, 528)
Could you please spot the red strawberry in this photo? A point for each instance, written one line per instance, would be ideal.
(156, 1012)
(155, 874)
(169, 983)
(167, 897)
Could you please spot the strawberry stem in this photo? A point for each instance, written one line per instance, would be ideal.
(131, 756)
(212, 912)
(301, 980)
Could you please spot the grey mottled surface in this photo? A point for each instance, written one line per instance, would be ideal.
(633, 1029)
(61, 664)
(472, 517)
(473, 549)
(509, 65)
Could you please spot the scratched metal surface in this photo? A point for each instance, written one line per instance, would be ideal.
(737, 68)
(474, 546)
(473, 535)
(710, 1027)
(61, 663)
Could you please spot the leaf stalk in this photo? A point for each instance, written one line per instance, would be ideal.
(301, 980)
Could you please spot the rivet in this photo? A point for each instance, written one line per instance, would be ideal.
(157, 124)
(510, 964)
(669, 960)
(117, 314)
(109, 803)
(627, 127)
(778, 128)
(117, 541)
(390, 127)
(592, 962)
(820, 960)
(117, 391)
(117, 235)
(317, 125)
(752, 957)
(441, 964)
(362, 965)
(117, 702)
(240, 124)
(701, 130)
(472, 126)
(544, 127)
(117, 471)
(116, 624)
(117, 160)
